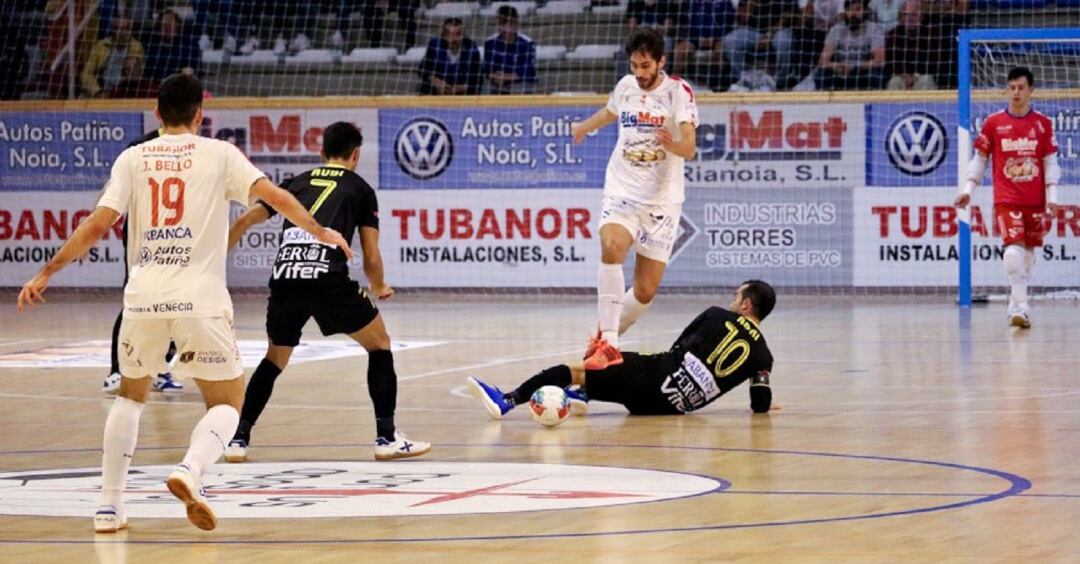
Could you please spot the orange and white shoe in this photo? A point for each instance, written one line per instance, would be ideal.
(605, 355)
(594, 343)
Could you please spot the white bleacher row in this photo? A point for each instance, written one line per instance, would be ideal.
(464, 10)
(389, 55)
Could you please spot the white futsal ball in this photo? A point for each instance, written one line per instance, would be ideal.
(549, 406)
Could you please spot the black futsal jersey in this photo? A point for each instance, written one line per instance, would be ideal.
(311, 279)
(338, 198)
(719, 350)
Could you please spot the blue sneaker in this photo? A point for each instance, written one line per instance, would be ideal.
(165, 383)
(490, 396)
(579, 400)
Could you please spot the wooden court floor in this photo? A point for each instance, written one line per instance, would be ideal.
(910, 430)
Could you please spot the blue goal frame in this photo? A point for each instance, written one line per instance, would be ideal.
(963, 132)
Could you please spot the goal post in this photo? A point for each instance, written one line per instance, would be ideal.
(985, 56)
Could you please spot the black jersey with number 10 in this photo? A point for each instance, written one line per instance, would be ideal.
(730, 346)
(338, 198)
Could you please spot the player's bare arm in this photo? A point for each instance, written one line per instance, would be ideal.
(685, 147)
(89, 232)
(252, 217)
(373, 264)
(287, 204)
(602, 117)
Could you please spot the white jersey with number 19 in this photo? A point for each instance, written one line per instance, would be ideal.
(176, 191)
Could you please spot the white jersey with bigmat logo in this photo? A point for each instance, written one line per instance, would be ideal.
(640, 169)
(176, 191)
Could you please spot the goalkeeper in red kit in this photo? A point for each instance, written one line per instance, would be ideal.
(1025, 175)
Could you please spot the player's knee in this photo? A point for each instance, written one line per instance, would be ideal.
(644, 293)
(135, 389)
(1014, 259)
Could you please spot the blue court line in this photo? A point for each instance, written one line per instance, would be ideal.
(1017, 485)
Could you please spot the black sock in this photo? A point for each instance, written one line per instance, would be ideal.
(257, 396)
(113, 356)
(382, 386)
(555, 376)
(171, 352)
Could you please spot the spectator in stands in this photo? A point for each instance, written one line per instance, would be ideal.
(21, 20)
(54, 63)
(701, 23)
(909, 50)
(854, 53)
(374, 18)
(755, 75)
(762, 25)
(886, 13)
(510, 57)
(171, 49)
(133, 84)
(817, 19)
(945, 19)
(452, 63)
(104, 68)
(651, 13)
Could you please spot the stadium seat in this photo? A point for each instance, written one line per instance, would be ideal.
(411, 57)
(259, 57)
(550, 52)
(213, 57)
(444, 10)
(563, 8)
(593, 52)
(523, 8)
(370, 55)
(314, 56)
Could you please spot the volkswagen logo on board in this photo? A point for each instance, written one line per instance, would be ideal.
(424, 148)
(917, 143)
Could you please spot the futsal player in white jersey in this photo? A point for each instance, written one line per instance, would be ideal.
(643, 185)
(176, 191)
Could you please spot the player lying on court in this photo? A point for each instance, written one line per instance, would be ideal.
(719, 350)
(176, 191)
(311, 279)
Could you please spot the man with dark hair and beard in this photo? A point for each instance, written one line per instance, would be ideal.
(854, 53)
(643, 185)
(716, 352)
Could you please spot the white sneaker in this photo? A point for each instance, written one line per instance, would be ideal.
(1020, 319)
(188, 489)
(229, 45)
(165, 383)
(280, 46)
(109, 520)
(205, 43)
(236, 451)
(250, 46)
(299, 43)
(111, 384)
(402, 447)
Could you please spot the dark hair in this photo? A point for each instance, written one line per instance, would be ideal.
(452, 22)
(340, 139)
(850, 3)
(179, 98)
(507, 12)
(645, 40)
(761, 295)
(1022, 72)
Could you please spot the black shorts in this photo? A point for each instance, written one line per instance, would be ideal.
(636, 383)
(339, 306)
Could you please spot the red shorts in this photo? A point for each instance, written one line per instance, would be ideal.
(1022, 225)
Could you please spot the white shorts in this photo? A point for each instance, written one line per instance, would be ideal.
(654, 226)
(205, 347)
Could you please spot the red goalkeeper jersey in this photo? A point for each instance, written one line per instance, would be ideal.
(1017, 146)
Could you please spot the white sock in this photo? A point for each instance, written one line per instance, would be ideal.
(610, 289)
(121, 433)
(1017, 271)
(632, 311)
(210, 436)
